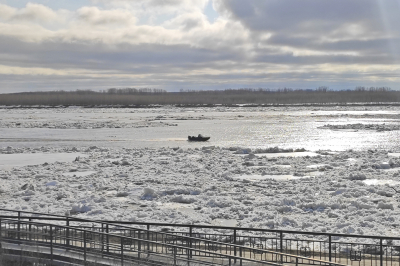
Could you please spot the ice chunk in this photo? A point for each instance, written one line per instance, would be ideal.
(385, 193)
(220, 204)
(80, 208)
(148, 194)
(382, 205)
(357, 176)
(52, 183)
(122, 194)
(182, 199)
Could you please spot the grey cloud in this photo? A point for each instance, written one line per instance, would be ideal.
(340, 31)
(191, 23)
(300, 61)
(117, 58)
(187, 22)
(167, 66)
(368, 47)
(275, 15)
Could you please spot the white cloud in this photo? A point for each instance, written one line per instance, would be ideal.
(6, 12)
(160, 42)
(26, 32)
(35, 12)
(95, 16)
(115, 26)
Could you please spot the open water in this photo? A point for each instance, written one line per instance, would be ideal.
(169, 127)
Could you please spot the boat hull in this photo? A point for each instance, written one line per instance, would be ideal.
(192, 138)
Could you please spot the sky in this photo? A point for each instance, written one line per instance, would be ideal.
(198, 44)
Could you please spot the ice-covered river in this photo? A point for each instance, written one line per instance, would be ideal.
(169, 127)
(137, 165)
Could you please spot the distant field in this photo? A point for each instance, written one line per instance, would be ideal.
(146, 97)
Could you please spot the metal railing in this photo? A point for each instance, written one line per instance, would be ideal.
(105, 248)
(202, 244)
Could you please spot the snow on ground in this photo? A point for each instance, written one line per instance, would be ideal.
(339, 192)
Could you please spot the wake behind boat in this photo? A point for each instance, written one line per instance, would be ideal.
(198, 138)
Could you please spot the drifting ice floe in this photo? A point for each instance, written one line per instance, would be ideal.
(326, 192)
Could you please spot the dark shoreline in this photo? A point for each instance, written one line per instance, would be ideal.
(226, 98)
(200, 105)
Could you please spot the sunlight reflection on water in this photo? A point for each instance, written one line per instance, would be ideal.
(289, 129)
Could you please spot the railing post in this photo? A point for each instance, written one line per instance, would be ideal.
(102, 239)
(281, 244)
(175, 256)
(381, 251)
(122, 251)
(51, 242)
(234, 242)
(84, 247)
(30, 229)
(107, 237)
(139, 245)
(148, 238)
(1, 236)
(189, 244)
(67, 233)
(240, 254)
(190, 241)
(297, 261)
(19, 226)
(330, 248)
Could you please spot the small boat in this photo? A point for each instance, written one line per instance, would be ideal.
(198, 138)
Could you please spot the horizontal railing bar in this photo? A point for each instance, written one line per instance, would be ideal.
(116, 223)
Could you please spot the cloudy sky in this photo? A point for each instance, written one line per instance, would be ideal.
(198, 44)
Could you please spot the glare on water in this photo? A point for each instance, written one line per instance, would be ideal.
(245, 128)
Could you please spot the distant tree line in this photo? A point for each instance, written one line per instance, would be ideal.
(147, 97)
(134, 91)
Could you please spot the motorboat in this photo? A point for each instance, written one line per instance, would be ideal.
(198, 138)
